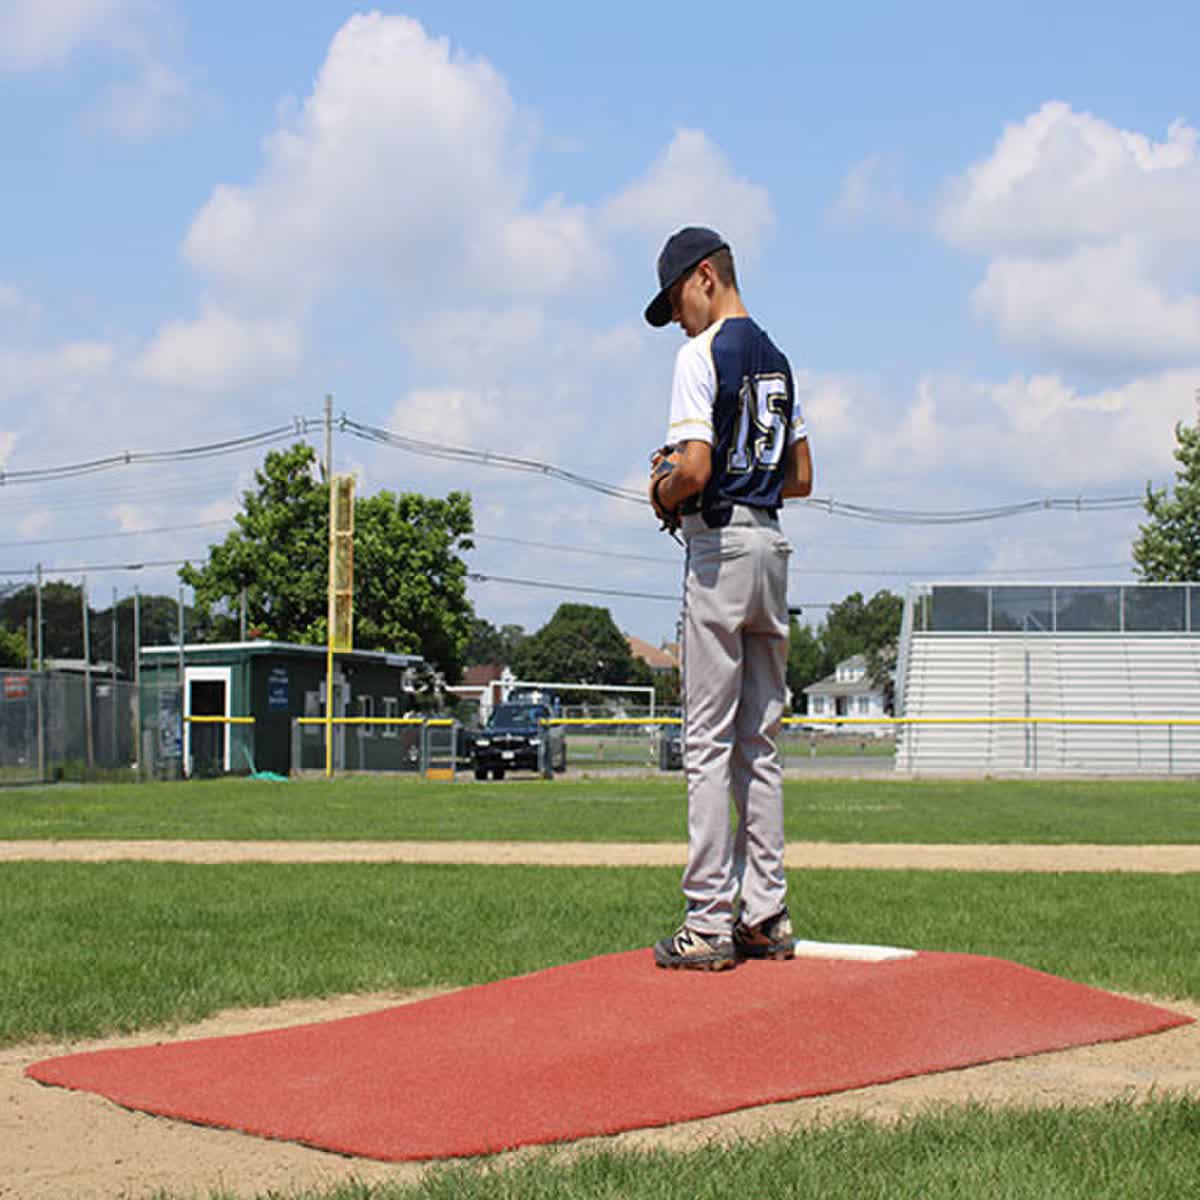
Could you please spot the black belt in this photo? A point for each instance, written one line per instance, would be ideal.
(718, 516)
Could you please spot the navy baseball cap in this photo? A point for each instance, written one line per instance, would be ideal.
(681, 253)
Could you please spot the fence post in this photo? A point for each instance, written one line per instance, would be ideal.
(296, 753)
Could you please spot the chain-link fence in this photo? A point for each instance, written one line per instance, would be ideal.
(59, 725)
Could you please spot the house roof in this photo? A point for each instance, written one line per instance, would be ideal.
(657, 659)
(830, 685)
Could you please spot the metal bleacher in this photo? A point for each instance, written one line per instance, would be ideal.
(1040, 699)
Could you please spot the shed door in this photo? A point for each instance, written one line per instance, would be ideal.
(206, 745)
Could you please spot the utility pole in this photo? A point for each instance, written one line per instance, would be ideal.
(137, 684)
(113, 706)
(88, 731)
(37, 602)
(40, 683)
(183, 748)
(329, 439)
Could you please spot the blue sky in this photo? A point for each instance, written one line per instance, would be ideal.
(973, 233)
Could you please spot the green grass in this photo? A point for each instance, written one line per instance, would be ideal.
(91, 948)
(1115, 1152)
(635, 808)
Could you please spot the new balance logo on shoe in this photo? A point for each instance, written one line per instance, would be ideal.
(693, 951)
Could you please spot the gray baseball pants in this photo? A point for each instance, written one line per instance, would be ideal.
(735, 640)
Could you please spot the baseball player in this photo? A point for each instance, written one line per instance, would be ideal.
(736, 447)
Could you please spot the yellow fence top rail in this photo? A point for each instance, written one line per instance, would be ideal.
(611, 720)
(206, 720)
(442, 721)
(1153, 721)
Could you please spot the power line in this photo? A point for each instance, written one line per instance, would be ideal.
(447, 452)
(479, 577)
(487, 458)
(569, 588)
(120, 533)
(126, 458)
(79, 570)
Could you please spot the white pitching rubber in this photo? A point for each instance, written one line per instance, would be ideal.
(855, 953)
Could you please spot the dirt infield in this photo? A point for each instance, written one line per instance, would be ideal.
(800, 855)
(56, 1144)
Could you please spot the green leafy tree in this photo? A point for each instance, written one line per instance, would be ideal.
(12, 648)
(62, 623)
(486, 644)
(807, 661)
(62, 617)
(410, 583)
(1167, 549)
(278, 555)
(867, 627)
(579, 644)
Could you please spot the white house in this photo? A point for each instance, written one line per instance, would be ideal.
(848, 692)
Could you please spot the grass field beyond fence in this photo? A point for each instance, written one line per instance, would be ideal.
(621, 809)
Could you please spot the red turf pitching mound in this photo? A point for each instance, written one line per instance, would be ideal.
(605, 1045)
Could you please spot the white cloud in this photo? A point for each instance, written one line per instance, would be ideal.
(407, 166)
(62, 368)
(473, 343)
(693, 183)
(130, 517)
(827, 402)
(457, 416)
(1091, 236)
(219, 350)
(1094, 306)
(35, 523)
(157, 100)
(1062, 177)
(871, 188)
(1030, 432)
(45, 33)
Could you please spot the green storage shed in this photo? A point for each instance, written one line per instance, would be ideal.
(274, 682)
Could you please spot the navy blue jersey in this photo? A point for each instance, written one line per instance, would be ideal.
(733, 388)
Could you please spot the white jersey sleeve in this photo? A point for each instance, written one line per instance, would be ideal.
(693, 391)
(798, 430)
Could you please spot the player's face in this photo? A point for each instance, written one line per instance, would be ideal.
(690, 300)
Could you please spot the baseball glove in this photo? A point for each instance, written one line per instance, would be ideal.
(662, 462)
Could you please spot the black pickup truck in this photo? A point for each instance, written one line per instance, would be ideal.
(511, 738)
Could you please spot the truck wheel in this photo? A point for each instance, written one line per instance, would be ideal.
(562, 762)
(497, 773)
(481, 772)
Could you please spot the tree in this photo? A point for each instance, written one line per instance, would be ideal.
(62, 623)
(870, 628)
(12, 648)
(579, 644)
(807, 661)
(410, 583)
(1167, 549)
(486, 644)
